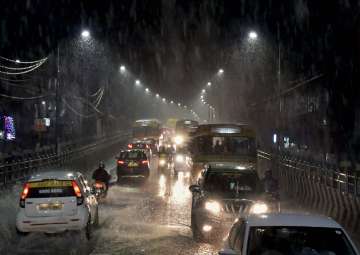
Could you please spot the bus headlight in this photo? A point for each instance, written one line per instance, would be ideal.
(179, 158)
(162, 162)
(213, 207)
(179, 139)
(259, 208)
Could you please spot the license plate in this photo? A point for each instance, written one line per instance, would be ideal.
(133, 164)
(50, 184)
(52, 206)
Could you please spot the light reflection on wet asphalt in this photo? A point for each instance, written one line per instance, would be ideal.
(149, 218)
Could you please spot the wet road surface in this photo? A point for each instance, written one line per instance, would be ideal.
(137, 217)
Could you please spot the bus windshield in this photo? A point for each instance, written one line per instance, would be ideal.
(225, 145)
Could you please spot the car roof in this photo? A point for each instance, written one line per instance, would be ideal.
(293, 220)
(219, 166)
(58, 175)
(133, 150)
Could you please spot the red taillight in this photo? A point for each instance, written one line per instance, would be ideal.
(25, 191)
(130, 146)
(76, 189)
(144, 162)
(120, 162)
(98, 185)
(24, 194)
(79, 197)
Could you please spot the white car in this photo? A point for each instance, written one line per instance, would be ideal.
(57, 201)
(288, 234)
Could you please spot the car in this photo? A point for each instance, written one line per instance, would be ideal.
(288, 234)
(132, 163)
(141, 145)
(224, 192)
(57, 201)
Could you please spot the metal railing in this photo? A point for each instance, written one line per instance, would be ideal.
(17, 170)
(344, 181)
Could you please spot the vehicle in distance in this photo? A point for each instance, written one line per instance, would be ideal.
(224, 192)
(182, 162)
(57, 201)
(289, 234)
(132, 163)
(222, 143)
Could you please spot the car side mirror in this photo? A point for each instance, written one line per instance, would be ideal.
(228, 252)
(194, 188)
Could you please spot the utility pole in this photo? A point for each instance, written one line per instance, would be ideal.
(57, 100)
(279, 85)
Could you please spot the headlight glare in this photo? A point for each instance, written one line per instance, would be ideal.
(259, 208)
(179, 158)
(179, 139)
(162, 162)
(213, 207)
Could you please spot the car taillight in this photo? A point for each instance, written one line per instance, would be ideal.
(130, 146)
(144, 162)
(24, 194)
(79, 197)
(120, 162)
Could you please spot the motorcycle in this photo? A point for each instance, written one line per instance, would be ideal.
(100, 190)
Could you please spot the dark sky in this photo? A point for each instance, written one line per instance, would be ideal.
(173, 45)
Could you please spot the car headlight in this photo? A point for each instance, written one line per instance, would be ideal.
(179, 158)
(179, 139)
(213, 207)
(162, 162)
(259, 208)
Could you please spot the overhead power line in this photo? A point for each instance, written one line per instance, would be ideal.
(23, 62)
(24, 72)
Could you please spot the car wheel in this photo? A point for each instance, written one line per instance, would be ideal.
(88, 230)
(20, 233)
(96, 222)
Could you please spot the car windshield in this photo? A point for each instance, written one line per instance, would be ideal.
(228, 184)
(226, 145)
(298, 241)
(132, 155)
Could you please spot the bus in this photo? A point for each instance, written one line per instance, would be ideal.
(147, 129)
(227, 143)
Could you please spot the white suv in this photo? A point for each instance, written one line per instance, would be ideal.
(288, 234)
(57, 201)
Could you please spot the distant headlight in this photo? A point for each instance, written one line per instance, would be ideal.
(213, 207)
(180, 158)
(259, 208)
(179, 139)
(162, 162)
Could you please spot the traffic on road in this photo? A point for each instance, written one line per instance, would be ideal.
(136, 204)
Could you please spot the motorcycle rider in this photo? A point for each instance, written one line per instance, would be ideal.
(101, 175)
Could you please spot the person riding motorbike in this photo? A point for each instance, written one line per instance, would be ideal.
(101, 175)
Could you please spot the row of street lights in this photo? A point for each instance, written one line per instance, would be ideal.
(138, 83)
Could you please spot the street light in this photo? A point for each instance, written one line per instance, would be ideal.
(137, 82)
(147, 90)
(171, 102)
(157, 95)
(209, 84)
(85, 34)
(164, 99)
(203, 91)
(221, 71)
(17, 61)
(253, 35)
(179, 104)
(122, 69)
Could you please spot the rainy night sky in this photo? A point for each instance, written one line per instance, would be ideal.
(174, 44)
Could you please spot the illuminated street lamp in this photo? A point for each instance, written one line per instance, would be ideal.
(137, 82)
(17, 61)
(122, 69)
(209, 84)
(171, 102)
(157, 95)
(164, 99)
(203, 91)
(253, 35)
(85, 34)
(179, 104)
(147, 90)
(221, 71)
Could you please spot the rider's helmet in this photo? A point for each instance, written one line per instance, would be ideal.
(102, 165)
